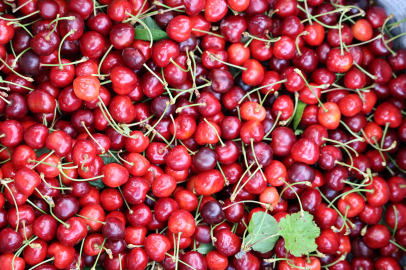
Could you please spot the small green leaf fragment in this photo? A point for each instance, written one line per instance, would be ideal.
(143, 34)
(98, 183)
(298, 115)
(205, 248)
(42, 151)
(299, 233)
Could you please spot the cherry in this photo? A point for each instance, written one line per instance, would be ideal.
(284, 48)
(6, 261)
(227, 243)
(328, 241)
(232, 28)
(376, 236)
(114, 175)
(156, 245)
(10, 240)
(63, 255)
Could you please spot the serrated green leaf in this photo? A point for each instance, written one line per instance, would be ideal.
(299, 233)
(98, 183)
(143, 34)
(205, 248)
(263, 232)
(298, 115)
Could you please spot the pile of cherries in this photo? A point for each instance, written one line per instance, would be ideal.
(145, 134)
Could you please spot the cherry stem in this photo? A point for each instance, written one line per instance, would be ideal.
(15, 203)
(234, 195)
(215, 130)
(273, 127)
(174, 135)
(59, 166)
(19, 7)
(319, 22)
(149, 197)
(91, 136)
(101, 62)
(399, 246)
(249, 178)
(339, 30)
(14, 64)
(91, 219)
(145, 27)
(39, 209)
(98, 255)
(335, 208)
(349, 192)
(125, 201)
(305, 33)
(342, 258)
(50, 210)
(71, 32)
(159, 120)
(351, 132)
(56, 25)
(247, 245)
(177, 65)
(394, 162)
(20, 18)
(396, 23)
(294, 109)
(41, 263)
(248, 201)
(207, 32)
(191, 267)
(396, 221)
(177, 250)
(171, 100)
(110, 119)
(246, 34)
(60, 188)
(393, 145)
(256, 160)
(41, 161)
(123, 160)
(6, 101)
(212, 58)
(193, 74)
(383, 37)
(299, 72)
(307, 183)
(18, 74)
(256, 89)
(83, 59)
(340, 144)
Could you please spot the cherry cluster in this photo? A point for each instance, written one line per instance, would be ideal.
(201, 134)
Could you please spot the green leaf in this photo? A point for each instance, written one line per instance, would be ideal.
(98, 183)
(42, 151)
(109, 159)
(298, 114)
(150, 23)
(300, 233)
(263, 232)
(205, 248)
(143, 34)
